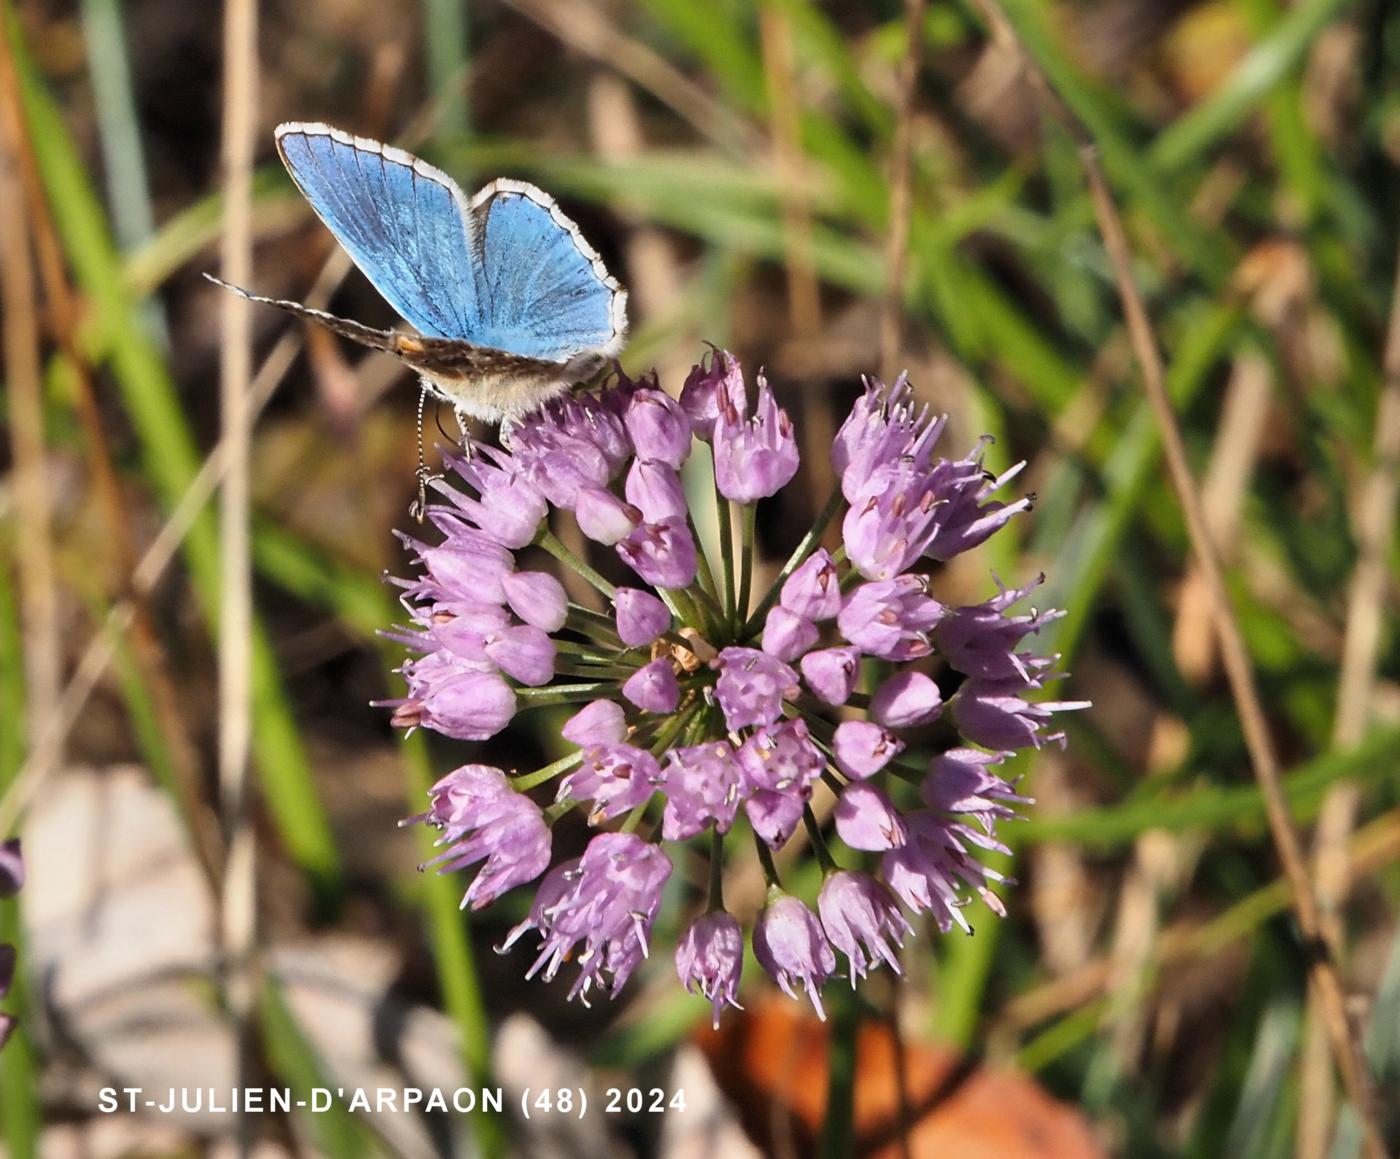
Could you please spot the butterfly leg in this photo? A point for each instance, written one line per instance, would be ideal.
(464, 429)
(418, 509)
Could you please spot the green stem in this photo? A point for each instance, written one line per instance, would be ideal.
(683, 607)
(765, 859)
(716, 870)
(726, 555)
(555, 546)
(548, 773)
(814, 831)
(634, 818)
(707, 577)
(561, 693)
(838, 1131)
(795, 560)
(595, 625)
(553, 812)
(747, 518)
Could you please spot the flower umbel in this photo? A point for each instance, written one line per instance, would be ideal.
(701, 708)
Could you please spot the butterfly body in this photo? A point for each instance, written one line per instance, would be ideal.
(511, 304)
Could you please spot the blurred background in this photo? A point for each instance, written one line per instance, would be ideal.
(732, 161)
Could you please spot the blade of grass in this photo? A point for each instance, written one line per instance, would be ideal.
(294, 1059)
(19, 1076)
(1214, 808)
(1268, 62)
(462, 995)
(445, 45)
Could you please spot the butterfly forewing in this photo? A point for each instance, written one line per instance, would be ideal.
(403, 222)
(544, 291)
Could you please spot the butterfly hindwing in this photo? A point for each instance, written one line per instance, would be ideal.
(403, 222)
(544, 291)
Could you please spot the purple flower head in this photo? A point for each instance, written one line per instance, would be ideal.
(774, 816)
(862, 920)
(813, 591)
(780, 765)
(906, 700)
(969, 516)
(641, 617)
(993, 713)
(597, 912)
(788, 942)
(663, 554)
(454, 698)
(615, 777)
(962, 781)
(537, 598)
(781, 757)
(867, 819)
(891, 619)
(751, 687)
(559, 457)
(658, 427)
(884, 427)
(654, 687)
(933, 868)
(465, 566)
(709, 682)
(754, 457)
(863, 748)
(703, 784)
(509, 508)
(483, 819)
(981, 640)
(599, 722)
(787, 635)
(710, 958)
(709, 387)
(831, 673)
(892, 519)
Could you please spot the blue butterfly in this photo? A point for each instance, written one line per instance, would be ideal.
(511, 304)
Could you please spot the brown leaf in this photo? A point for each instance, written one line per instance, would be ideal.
(771, 1062)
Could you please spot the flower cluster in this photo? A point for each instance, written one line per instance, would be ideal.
(11, 878)
(701, 705)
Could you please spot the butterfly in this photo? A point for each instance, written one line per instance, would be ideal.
(511, 305)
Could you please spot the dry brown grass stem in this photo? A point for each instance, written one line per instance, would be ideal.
(238, 899)
(38, 591)
(901, 193)
(1239, 671)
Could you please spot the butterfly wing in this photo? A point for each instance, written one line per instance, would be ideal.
(405, 223)
(544, 291)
